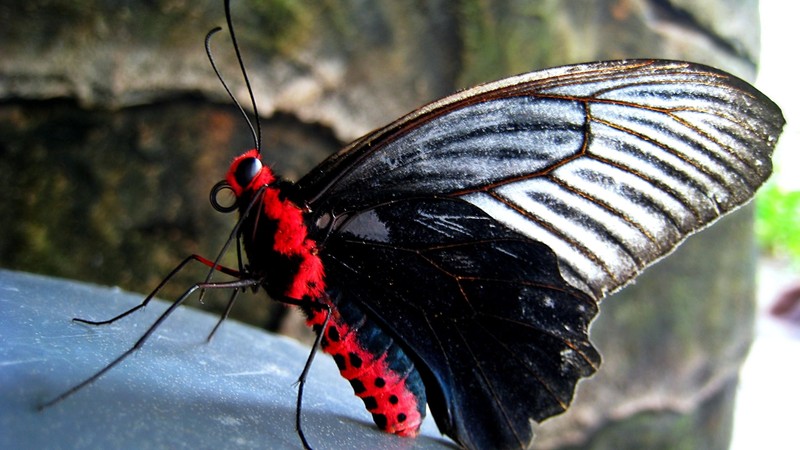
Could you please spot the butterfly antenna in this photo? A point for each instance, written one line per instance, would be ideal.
(244, 74)
(256, 136)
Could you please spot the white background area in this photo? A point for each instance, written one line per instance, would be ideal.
(767, 414)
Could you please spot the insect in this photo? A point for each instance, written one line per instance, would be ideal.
(455, 257)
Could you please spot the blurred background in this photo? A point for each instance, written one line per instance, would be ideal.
(113, 128)
(768, 397)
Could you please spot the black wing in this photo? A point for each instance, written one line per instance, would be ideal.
(605, 167)
(498, 336)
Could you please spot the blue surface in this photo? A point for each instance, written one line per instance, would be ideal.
(176, 392)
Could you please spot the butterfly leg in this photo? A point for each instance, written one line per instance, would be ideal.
(225, 314)
(238, 274)
(301, 380)
(178, 268)
(237, 284)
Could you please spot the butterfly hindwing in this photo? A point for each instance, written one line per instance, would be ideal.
(480, 308)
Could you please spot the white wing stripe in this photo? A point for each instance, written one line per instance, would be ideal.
(687, 183)
(580, 265)
(695, 148)
(572, 215)
(601, 233)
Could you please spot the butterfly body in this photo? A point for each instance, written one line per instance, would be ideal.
(281, 254)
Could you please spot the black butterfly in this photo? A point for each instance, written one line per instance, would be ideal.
(457, 255)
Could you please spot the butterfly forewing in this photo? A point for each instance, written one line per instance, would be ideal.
(655, 149)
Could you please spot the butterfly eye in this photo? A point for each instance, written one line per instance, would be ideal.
(247, 169)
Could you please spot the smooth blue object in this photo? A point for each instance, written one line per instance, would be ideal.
(175, 392)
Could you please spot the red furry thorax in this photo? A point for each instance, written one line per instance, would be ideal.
(291, 235)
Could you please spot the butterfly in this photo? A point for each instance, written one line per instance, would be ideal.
(456, 257)
(460, 252)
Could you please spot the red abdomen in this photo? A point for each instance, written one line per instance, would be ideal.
(380, 373)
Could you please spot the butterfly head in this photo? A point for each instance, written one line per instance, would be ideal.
(246, 175)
